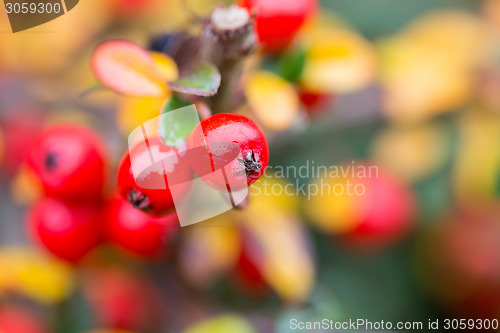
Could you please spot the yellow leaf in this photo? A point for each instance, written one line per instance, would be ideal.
(230, 323)
(411, 152)
(461, 34)
(274, 100)
(430, 67)
(475, 173)
(333, 210)
(134, 111)
(166, 66)
(38, 277)
(281, 248)
(338, 61)
(209, 249)
(421, 81)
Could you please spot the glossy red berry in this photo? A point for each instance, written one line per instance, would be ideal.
(69, 161)
(278, 21)
(230, 142)
(136, 231)
(69, 231)
(156, 165)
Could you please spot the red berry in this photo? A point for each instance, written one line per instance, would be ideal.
(278, 21)
(20, 120)
(248, 277)
(67, 230)
(69, 162)
(150, 192)
(20, 320)
(136, 231)
(230, 142)
(123, 300)
(315, 102)
(386, 213)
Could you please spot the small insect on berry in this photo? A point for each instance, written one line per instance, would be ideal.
(232, 143)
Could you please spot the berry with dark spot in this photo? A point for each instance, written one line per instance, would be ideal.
(69, 162)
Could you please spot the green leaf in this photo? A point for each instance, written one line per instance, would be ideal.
(203, 79)
(292, 64)
(177, 120)
(175, 102)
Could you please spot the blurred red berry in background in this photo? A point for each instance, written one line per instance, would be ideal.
(461, 261)
(385, 212)
(67, 230)
(315, 102)
(248, 279)
(20, 130)
(123, 299)
(69, 162)
(20, 320)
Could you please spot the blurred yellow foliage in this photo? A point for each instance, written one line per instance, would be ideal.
(33, 274)
(272, 99)
(476, 170)
(134, 111)
(209, 249)
(333, 213)
(411, 152)
(283, 253)
(166, 66)
(55, 45)
(229, 323)
(429, 68)
(338, 61)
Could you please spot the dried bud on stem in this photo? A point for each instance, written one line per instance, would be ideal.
(230, 37)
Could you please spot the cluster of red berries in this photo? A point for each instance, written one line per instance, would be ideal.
(75, 216)
(222, 141)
